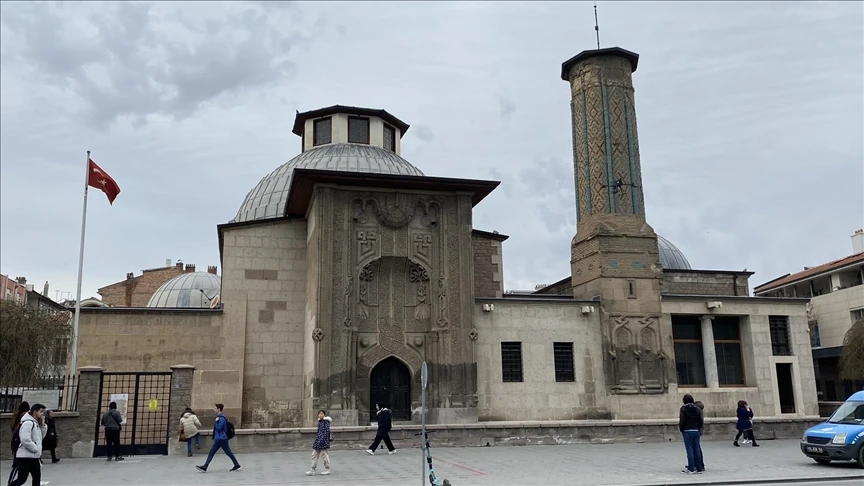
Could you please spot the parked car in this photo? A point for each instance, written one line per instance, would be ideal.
(841, 437)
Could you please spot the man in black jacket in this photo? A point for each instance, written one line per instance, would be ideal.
(385, 423)
(690, 423)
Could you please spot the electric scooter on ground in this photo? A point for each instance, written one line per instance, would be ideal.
(432, 479)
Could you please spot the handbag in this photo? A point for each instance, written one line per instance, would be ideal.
(183, 435)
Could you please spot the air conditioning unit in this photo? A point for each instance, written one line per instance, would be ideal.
(488, 307)
(714, 305)
(587, 309)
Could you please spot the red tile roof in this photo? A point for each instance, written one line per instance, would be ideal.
(810, 272)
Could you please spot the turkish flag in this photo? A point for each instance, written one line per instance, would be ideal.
(99, 179)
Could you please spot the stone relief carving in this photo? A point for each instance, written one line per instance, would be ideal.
(442, 302)
(473, 335)
(366, 241)
(637, 358)
(317, 334)
(367, 274)
(419, 276)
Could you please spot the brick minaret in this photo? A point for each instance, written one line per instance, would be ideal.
(614, 254)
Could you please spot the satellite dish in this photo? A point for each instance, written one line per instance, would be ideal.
(215, 302)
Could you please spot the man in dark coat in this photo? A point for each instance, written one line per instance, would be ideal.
(690, 423)
(385, 423)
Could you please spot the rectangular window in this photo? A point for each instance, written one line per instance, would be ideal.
(389, 138)
(322, 131)
(727, 346)
(857, 314)
(511, 361)
(563, 355)
(779, 329)
(358, 130)
(689, 358)
(631, 289)
(815, 341)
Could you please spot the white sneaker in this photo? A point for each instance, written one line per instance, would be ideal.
(392, 452)
(43, 483)
(310, 473)
(325, 473)
(370, 452)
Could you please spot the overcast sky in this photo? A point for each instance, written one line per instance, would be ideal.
(750, 114)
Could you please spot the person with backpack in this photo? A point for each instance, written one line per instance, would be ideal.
(690, 423)
(31, 432)
(191, 426)
(385, 423)
(223, 431)
(112, 421)
(745, 424)
(23, 409)
(322, 444)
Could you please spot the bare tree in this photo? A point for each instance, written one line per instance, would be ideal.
(33, 342)
(852, 356)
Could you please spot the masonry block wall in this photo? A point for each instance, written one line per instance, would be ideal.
(488, 265)
(703, 282)
(150, 339)
(537, 325)
(264, 269)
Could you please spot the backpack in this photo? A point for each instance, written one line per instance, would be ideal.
(16, 439)
(229, 429)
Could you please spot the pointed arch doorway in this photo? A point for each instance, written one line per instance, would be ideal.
(390, 383)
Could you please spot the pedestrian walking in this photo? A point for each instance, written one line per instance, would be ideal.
(29, 453)
(50, 441)
(191, 429)
(112, 421)
(385, 423)
(223, 431)
(690, 423)
(322, 444)
(23, 409)
(745, 424)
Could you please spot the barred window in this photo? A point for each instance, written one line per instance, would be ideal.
(564, 370)
(389, 138)
(511, 361)
(779, 329)
(322, 132)
(358, 130)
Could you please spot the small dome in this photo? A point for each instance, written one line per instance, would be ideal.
(185, 291)
(267, 199)
(671, 257)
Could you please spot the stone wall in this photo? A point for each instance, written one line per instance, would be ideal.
(488, 264)
(264, 289)
(537, 325)
(487, 434)
(705, 282)
(151, 339)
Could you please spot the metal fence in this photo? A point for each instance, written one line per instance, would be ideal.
(55, 392)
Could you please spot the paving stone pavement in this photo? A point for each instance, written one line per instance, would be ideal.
(607, 465)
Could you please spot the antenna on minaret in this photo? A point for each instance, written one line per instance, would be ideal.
(596, 25)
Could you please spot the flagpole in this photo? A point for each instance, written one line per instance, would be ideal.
(74, 368)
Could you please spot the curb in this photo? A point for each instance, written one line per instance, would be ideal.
(733, 482)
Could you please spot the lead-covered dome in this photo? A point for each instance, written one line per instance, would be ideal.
(671, 257)
(268, 198)
(190, 290)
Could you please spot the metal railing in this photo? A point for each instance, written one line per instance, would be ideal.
(55, 392)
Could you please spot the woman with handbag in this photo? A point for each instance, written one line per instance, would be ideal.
(745, 424)
(190, 429)
(50, 440)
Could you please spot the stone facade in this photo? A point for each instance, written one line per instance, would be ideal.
(488, 264)
(393, 280)
(705, 282)
(263, 292)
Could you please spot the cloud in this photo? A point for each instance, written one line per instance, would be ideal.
(139, 59)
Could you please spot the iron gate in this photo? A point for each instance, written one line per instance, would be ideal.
(142, 399)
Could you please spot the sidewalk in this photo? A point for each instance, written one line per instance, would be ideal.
(607, 465)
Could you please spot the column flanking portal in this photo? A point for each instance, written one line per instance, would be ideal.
(614, 255)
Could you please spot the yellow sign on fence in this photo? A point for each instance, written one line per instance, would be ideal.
(154, 405)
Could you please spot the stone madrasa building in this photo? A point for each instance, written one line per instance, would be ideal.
(346, 267)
